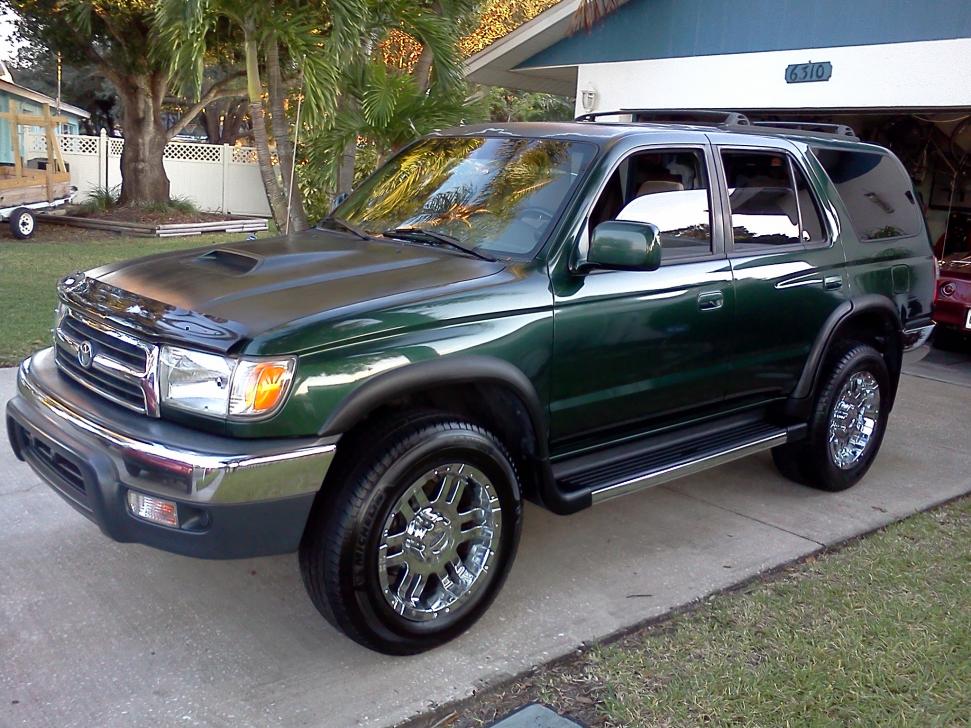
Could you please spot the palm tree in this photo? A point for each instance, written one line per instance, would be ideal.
(389, 103)
(314, 37)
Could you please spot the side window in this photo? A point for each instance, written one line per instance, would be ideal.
(876, 191)
(668, 188)
(763, 202)
(812, 221)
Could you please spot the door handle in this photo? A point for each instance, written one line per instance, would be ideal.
(711, 300)
(831, 283)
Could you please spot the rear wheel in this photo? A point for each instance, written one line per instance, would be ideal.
(847, 425)
(22, 223)
(413, 545)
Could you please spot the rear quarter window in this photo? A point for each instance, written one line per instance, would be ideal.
(876, 190)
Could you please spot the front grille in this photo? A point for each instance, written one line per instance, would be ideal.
(107, 361)
(80, 330)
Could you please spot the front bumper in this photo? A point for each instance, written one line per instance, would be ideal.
(236, 498)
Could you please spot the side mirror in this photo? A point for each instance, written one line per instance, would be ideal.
(623, 245)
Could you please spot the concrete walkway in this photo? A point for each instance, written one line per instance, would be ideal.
(98, 633)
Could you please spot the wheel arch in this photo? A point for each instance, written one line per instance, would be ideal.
(489, 391)
(871, 319)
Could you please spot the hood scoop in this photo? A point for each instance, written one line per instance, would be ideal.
(228, 261)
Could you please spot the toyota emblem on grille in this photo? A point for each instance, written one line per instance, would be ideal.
(85, 354)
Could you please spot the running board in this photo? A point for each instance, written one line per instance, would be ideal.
(631, 470)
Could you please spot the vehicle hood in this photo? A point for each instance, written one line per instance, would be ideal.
(219, 295)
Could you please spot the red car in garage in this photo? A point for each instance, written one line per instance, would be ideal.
(952, 304)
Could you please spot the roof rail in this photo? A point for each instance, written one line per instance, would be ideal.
(838, 129)
(676, 116)
(720, 118)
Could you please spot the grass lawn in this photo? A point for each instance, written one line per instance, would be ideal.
(878, 633)
(29, 271)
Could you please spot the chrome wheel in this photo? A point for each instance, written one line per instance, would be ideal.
(854, 419)
(439, 542)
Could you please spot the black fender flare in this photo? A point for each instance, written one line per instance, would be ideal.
(435, 373)
(805, 388)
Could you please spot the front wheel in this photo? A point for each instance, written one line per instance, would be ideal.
(847, 425)
(413, 544)
(22, 223)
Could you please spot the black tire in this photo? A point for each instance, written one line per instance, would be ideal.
(339, 553)
(22, 223)
(810, 461)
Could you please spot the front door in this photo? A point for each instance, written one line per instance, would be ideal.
(632, 348)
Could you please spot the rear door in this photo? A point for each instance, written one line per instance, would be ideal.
(786, 259)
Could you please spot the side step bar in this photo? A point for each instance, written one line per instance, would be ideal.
(689, 466)
(600, 477)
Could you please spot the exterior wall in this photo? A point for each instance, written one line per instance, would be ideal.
(922, 74)
(215, 177)
(10, 102)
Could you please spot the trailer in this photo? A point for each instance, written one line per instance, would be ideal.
(26, 189)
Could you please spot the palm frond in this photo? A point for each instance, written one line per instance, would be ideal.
(591, 12)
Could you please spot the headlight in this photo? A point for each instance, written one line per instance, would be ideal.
(221, 386)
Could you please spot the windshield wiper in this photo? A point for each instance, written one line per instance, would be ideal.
(432, 237)
(337, 222)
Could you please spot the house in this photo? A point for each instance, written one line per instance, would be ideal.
(896, 71)
(20, 99)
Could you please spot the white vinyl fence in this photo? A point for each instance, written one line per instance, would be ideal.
(215, 177)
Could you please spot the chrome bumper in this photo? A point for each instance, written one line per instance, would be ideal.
(915, 338)
(245, 497)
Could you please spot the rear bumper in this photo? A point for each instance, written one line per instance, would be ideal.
(917, 337)
(953, 314)
(236, 498)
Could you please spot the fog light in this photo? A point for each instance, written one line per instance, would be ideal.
(152, 509)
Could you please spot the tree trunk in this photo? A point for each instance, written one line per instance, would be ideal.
(209, 117)
(281, 133)
(254, 89)
(423, 69)
(233, 123)
(143, 178)
(347, 160)
(345, 170)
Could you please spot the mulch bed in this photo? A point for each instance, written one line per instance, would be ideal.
(147, 217)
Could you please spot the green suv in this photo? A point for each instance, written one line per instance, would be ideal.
(562, 313)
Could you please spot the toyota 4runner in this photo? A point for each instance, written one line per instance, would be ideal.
(558, 312)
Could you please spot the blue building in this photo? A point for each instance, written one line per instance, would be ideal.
(26, 101)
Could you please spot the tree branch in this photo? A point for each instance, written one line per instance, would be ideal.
(216, 91)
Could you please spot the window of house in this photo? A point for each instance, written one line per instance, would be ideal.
(667, 188)
(876, 190)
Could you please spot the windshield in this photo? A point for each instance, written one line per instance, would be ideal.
(498, 194)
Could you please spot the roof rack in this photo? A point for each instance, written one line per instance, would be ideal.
(837, 129)
(675, 116)
(720, 118)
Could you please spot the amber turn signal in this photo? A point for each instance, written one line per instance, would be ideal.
(259, 387)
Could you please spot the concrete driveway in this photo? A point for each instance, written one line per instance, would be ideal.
(98, 633)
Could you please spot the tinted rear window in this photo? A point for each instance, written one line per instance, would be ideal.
(876, 191)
